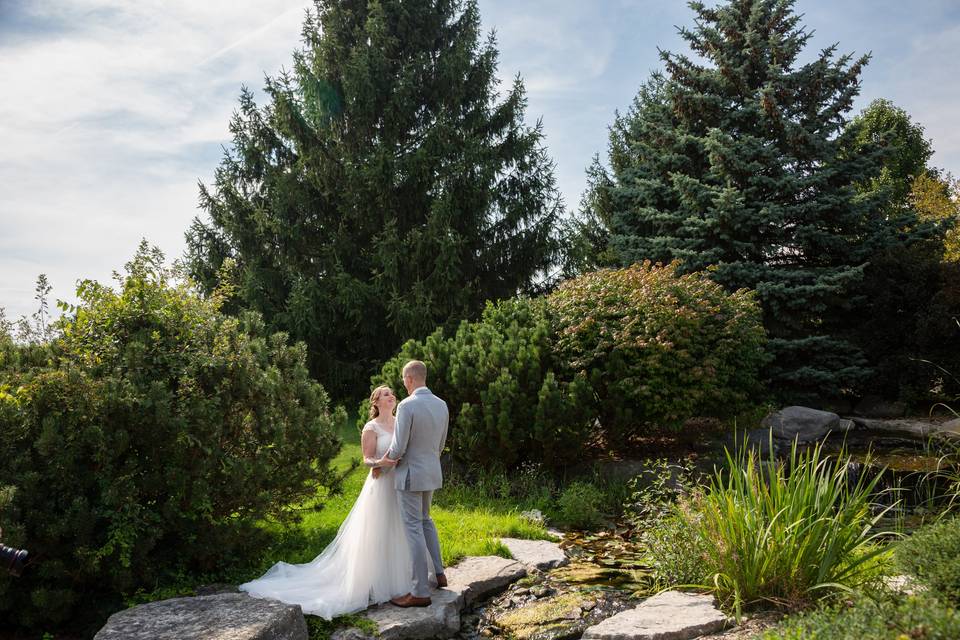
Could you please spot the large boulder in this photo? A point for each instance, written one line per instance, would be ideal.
(801, 423)
(225, 616)
(670, 615)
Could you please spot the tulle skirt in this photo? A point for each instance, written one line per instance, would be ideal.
(367, 563)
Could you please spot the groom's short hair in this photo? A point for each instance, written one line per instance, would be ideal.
(416, 370)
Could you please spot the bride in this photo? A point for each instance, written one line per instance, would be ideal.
(369, 561)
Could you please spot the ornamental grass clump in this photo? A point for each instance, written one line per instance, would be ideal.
(786, 532)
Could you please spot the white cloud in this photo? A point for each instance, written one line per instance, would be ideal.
(110, 117)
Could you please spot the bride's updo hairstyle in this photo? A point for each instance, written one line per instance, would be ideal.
(374, 397)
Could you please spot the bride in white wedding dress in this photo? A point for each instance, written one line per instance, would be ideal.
(369, 561)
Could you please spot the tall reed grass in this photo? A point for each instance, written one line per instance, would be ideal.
(787, 532)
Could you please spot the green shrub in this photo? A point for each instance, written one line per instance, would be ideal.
(676, 553)
(932, 554)
(498, 378)
(918, 617)
(578, 506)
(658, 347)
(159, 433)
(658, 507)
(787, 533)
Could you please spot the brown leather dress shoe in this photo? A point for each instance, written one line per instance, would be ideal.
(441, 581)
(410, 600)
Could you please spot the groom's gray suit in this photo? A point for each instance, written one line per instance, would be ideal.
(418, 440)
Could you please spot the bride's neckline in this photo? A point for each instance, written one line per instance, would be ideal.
(383, 428)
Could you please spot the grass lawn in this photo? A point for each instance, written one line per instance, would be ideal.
(465, 530)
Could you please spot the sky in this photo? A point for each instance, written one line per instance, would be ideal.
(112, 111)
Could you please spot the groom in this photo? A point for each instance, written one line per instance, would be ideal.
(418, 439)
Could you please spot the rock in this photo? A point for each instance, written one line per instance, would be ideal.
(440, 620)
(845, 425)
(877, 407)
(556, 533)
(477, 578)
(350, 633)
(542, 592)
(522, 591)
(903, 584)
(536, 554)
(228, 616)
(544, 619)
(534, 516)
(914, 428)
(216, 588)
(801, 423)
(951, 426)
(670, 615)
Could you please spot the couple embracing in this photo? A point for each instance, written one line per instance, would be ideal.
(387, 548)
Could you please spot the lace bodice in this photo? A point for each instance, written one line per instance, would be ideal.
(383, 437)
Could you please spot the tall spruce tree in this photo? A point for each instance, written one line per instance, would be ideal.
(734, 160)
(387, 188)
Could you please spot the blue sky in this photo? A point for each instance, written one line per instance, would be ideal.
(111, 111)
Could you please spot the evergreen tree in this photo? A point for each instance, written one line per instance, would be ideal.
(738, 164)
(387, 188)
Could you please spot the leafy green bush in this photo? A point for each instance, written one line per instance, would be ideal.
(578, 505)
(498, 378)
(932, 554)
(676, 553)
(658, 347)
(159, 433)
(918, 617)
(658, 507)
(788, 532)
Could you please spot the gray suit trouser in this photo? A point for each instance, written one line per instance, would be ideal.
(421, 536)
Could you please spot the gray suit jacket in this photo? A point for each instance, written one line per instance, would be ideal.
(418, 439)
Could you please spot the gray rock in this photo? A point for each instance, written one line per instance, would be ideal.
(903, 584)
(350, 633)
(228, 616)
(477, 578)
(670, 615)
(536, 554)
(216, 588)
(801, 423)
(877, 407)
(440, 620)
(912, 428)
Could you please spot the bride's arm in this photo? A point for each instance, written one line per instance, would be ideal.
(368, 443)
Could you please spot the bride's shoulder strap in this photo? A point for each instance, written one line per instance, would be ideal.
(370, 426)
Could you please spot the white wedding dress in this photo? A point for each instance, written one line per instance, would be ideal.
(367, 563)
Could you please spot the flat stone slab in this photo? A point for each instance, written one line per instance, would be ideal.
(913, 428)
(479, 577)
(226, 616)
(670, 615)
(536, 554)
(440, 620)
